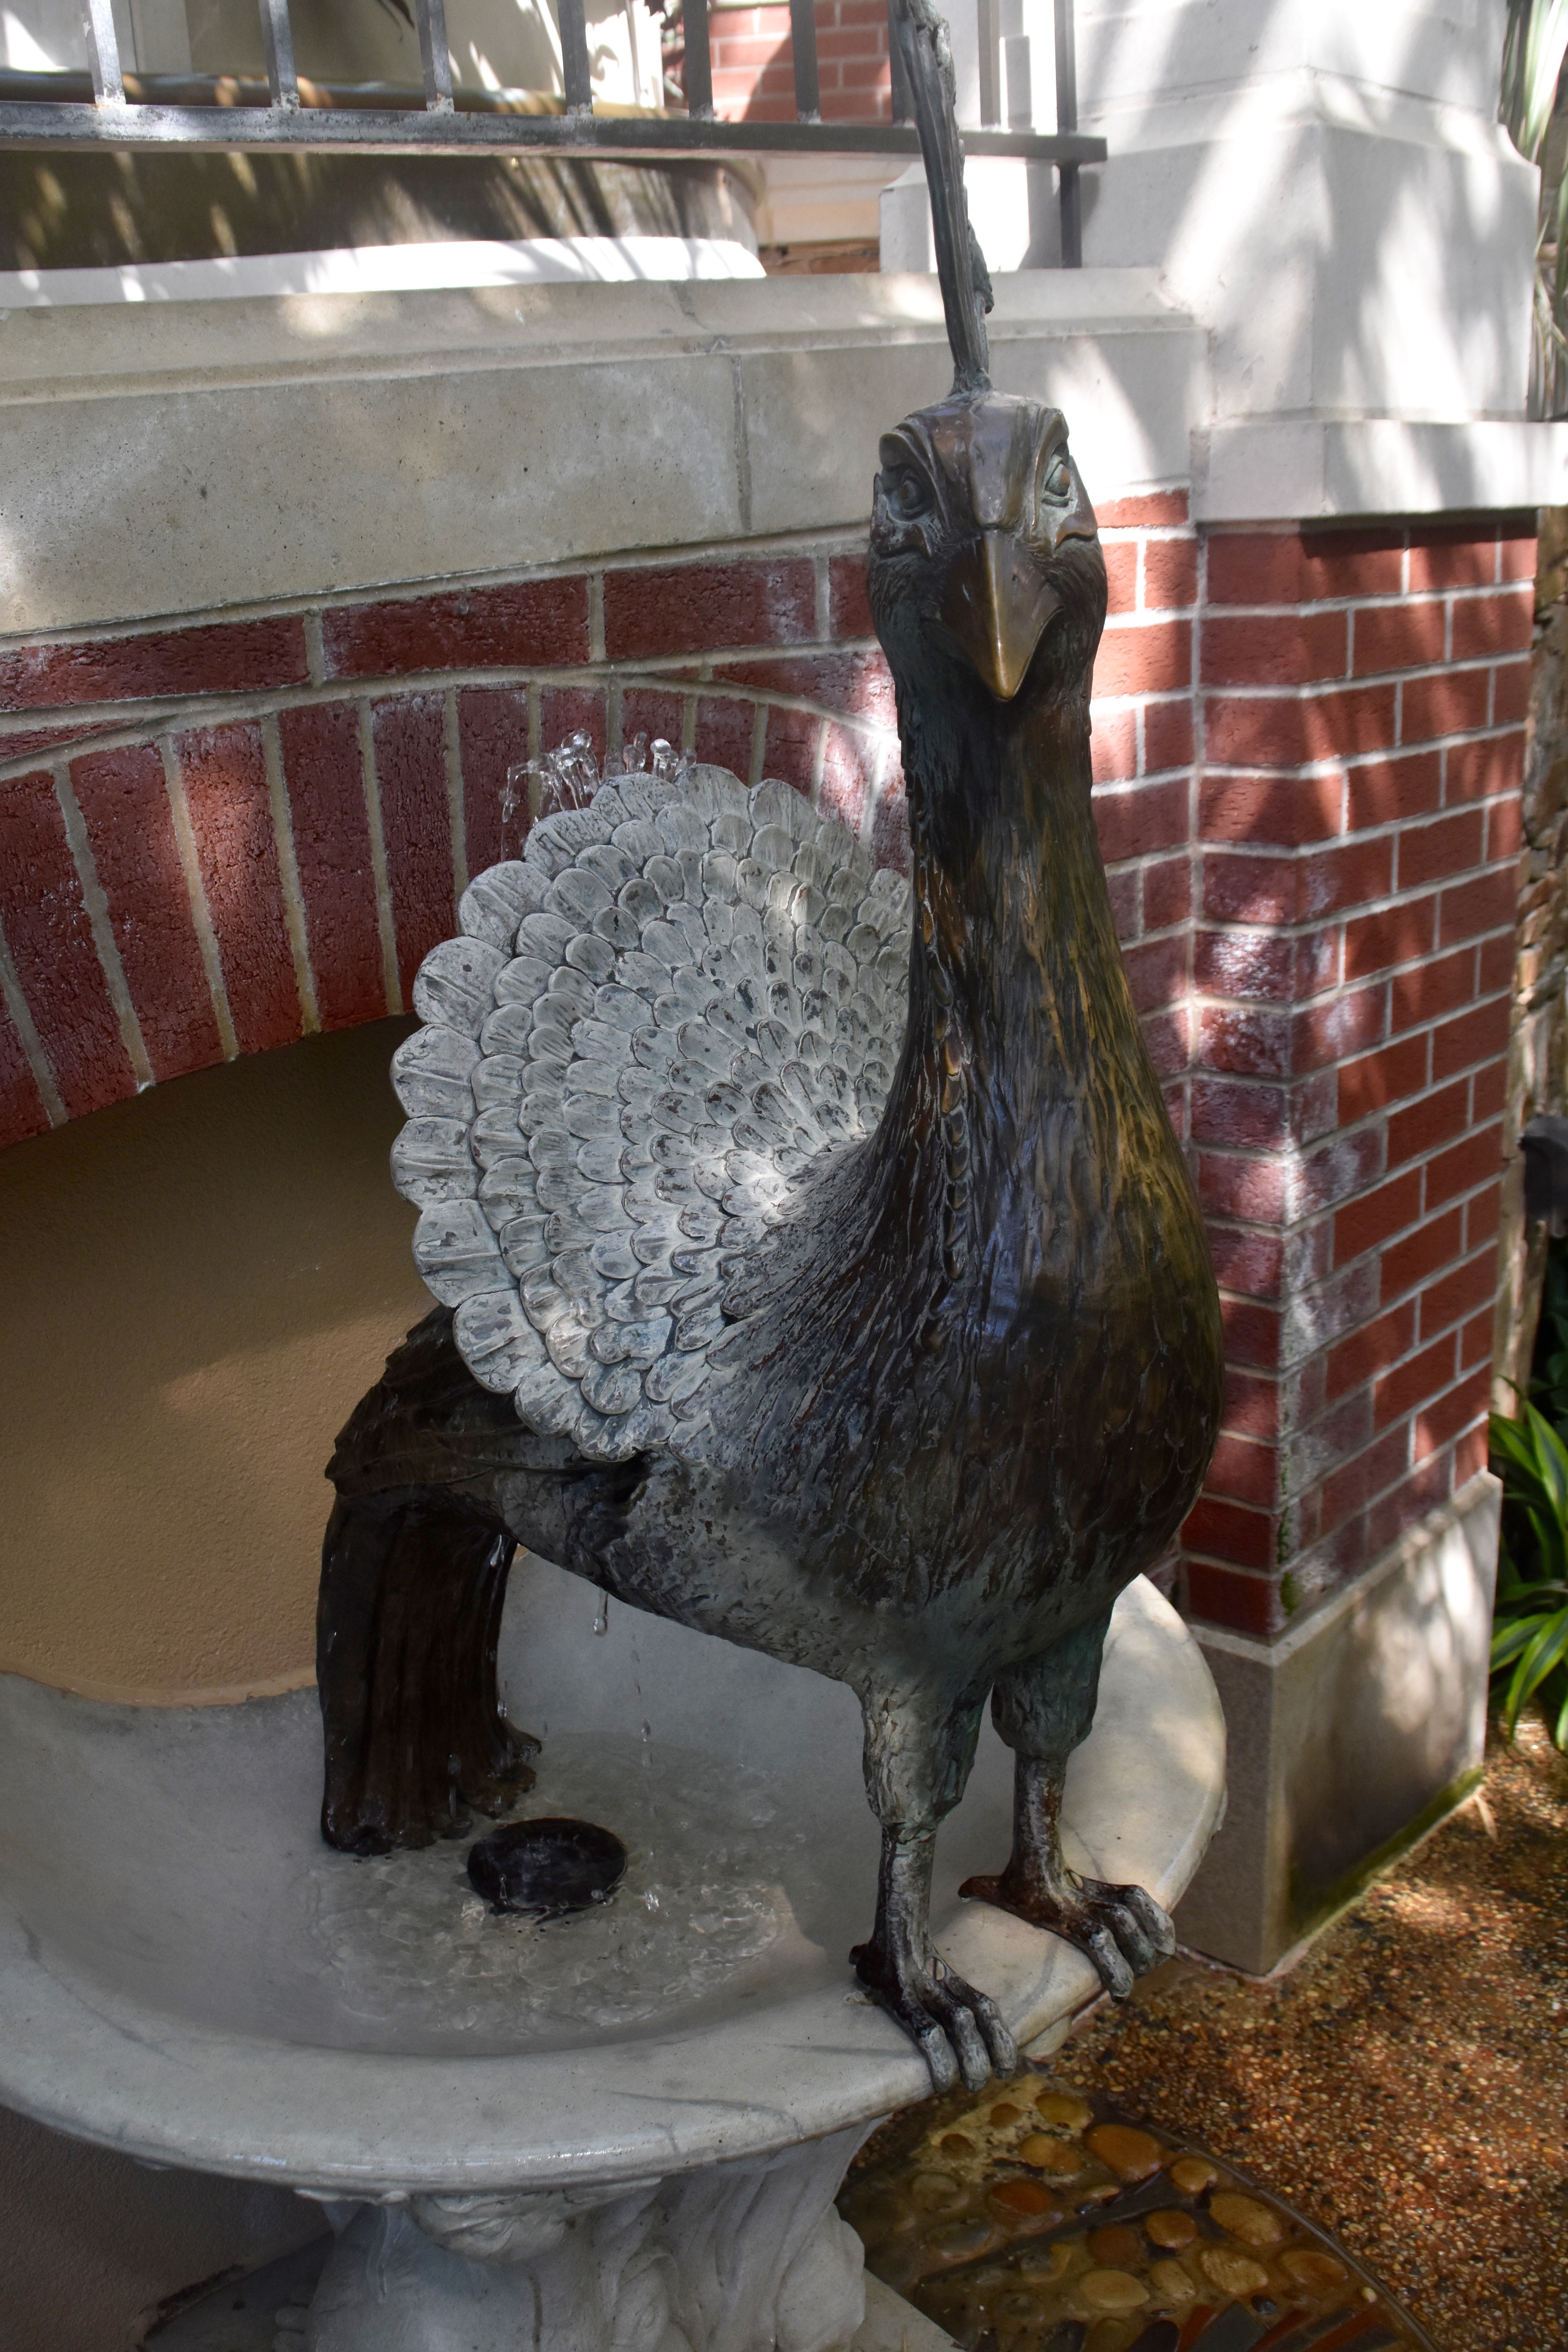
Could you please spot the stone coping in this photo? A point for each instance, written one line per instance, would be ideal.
(186, 1974)
(1308, 470)
(416, 263)
(159, 459)
(413, 330)
(248, 449)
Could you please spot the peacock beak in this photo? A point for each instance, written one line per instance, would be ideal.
(994, 607)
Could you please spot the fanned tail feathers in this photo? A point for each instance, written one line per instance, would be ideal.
(680, 998)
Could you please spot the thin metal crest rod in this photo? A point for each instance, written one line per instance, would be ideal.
(103, 54)
(435, 58)
(699, 61)
(278, 40)
(576, 80)
(903, 104)
(802, 52)
(1071, 196)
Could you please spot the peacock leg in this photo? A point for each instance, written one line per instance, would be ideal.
(960, 2032)
(1042, 1711)
(920, 1745)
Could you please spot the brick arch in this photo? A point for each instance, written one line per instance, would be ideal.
(221, 837)
(204, 891)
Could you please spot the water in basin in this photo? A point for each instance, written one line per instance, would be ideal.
(170, 1862)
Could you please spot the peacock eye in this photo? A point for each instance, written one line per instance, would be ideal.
(906, 493)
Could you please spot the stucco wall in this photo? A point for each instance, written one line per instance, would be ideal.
(199, 1283)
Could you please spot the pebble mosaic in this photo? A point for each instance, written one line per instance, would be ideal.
(1036, 2220)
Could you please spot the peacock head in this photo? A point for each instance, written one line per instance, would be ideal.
(984, 559)
(985, 549)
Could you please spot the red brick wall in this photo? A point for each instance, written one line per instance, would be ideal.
(1144, 782)
(219, 837)
(754, 80)
(1361, 715)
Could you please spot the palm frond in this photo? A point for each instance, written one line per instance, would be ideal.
(1532, 63)
(1534, 51)
(1540, 1658)
(1529, 1637)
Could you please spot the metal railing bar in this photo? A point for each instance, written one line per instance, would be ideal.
(988, 17)
(699, 61)
(803, 53)
(29, 123)
(278, 42)
(1070, 198)
(192, 90)
(576, 77)
(103, 54)
(435, 58)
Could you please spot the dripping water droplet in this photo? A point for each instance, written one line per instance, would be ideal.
(602, 1618)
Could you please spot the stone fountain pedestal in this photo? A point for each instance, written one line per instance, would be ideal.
(622, 2132)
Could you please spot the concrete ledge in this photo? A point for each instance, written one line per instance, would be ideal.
(1347, 1734)
(415, 264)
(162, 459)
(1302, 469)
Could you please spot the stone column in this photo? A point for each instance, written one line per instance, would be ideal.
(1326, 185)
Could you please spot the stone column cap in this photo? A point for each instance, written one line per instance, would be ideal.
(1308, 470)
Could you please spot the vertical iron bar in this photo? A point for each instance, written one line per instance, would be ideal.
(576, 79)
(1070, 199)
(802, 52)
(989, 32)
(699, 61)
(434, 59)
(904, 105)
(278, 40)
(103, 54)
(1017, 75)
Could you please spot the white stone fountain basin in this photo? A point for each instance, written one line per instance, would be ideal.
(188, 1974)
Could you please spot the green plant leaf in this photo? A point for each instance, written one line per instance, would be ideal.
(1511, 1440)
(1507, 1642)
(1550, 1455)
(1532, 62)
(1547, 1649)
(1518, 1627)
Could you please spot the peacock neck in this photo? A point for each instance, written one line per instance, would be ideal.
(1022, 1042)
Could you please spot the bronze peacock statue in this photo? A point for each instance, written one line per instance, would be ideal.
(818, 1266)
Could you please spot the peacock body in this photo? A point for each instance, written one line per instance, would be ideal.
(818, 1266)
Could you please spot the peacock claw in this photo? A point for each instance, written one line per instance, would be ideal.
(1122, 1929)
(959, 2032)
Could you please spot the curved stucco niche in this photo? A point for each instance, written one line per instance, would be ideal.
(198, 1282)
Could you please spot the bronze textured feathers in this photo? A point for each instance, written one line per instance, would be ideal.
(819, 1267)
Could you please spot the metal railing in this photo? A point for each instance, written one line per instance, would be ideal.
(110, 107)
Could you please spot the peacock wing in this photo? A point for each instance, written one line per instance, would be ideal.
(679, 1002)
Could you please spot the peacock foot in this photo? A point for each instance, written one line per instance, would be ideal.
(1120, 1928)
(959, 2032)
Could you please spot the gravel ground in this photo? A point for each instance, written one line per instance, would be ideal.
(1407, 2084)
